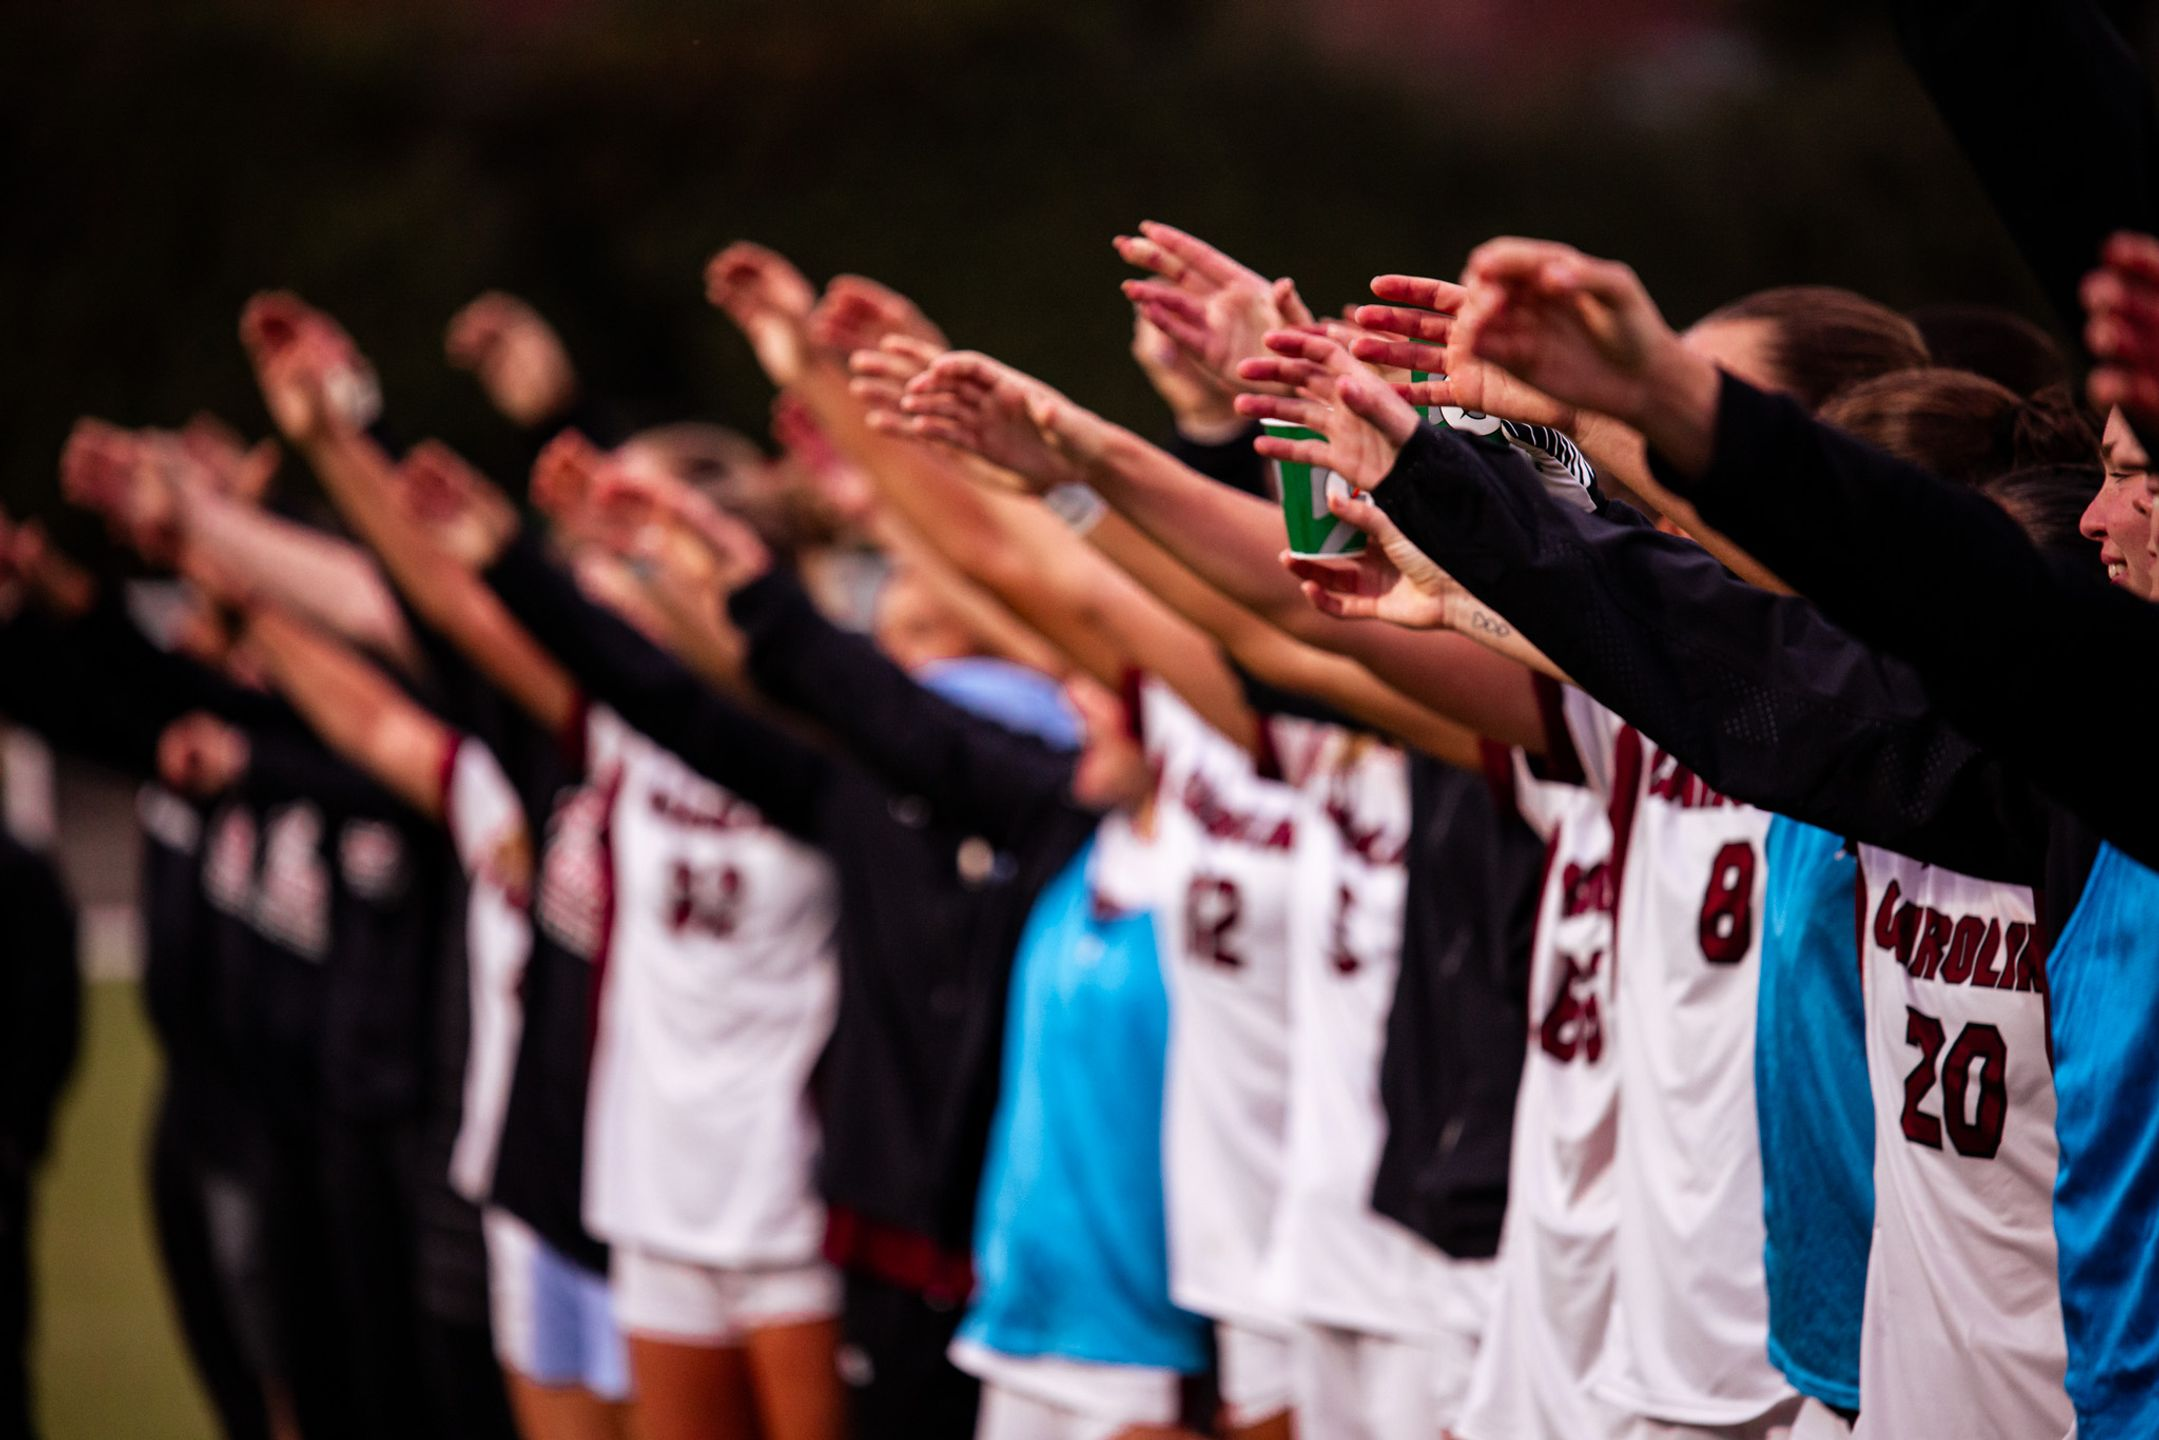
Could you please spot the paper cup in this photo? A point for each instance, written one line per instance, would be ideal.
(1313, 529)
(1474, 423)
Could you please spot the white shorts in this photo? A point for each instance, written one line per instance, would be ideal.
(662, 1298)
(1253, 1373)
(1361, 1387)
(1046, 1398)
(1778, 1423)
(1459, 1296)
(553, 1323)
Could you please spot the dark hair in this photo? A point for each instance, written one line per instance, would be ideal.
(1991, 341)
(1963, 427)
(2048, 504)
(729, 470)
(1824, 339)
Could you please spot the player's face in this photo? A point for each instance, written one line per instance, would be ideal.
(915, 628)
(1112, 771)
(2119, 518)
(1743, 347)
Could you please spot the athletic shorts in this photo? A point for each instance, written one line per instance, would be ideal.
(662, 1298)
(1779, 1423)
(1459, 1294)
(554, 1322)
(1046, 1398)
(1253, 1368)
(1358, 1386)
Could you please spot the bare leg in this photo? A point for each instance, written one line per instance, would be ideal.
(798, 1390)
(690, 1392)
(563, 1412)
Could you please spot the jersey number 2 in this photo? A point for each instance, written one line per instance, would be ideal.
(1979, 1136)
(1211, 908)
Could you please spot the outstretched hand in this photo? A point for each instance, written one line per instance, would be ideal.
(770, 303)
(1391, 579)
(130, 479)
(1012, 420)
(857, 313)
(1199, 404)
(1361, 421)
(518, 358)
(1580, 330)
(1413, 329)
(680, 530)
(1216, 309)
(314, 380)
(467, 517)
(2121, 305)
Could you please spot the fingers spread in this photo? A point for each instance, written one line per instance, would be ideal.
(1196, 254)
(1419, 290)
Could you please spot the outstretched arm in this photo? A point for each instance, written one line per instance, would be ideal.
(158, 495)
(1230, 541)
(355, 709)
(296, 352)
(1027, 559)
(1278, 659)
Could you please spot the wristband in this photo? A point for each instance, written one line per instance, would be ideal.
(1077, 505)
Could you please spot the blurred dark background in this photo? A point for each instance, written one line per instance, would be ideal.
(390, 158)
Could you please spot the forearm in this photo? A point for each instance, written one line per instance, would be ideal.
(356, 711)
(1230, 540)
(1274, 656)
(359, 479)
(655, 694)
(993, 623)
(334, 584)
(968, 767)
(1754, 691)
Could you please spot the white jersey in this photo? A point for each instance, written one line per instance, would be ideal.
(718, 999)
(1556, 1248)
(487, 828)
(1689, 1334)
(1963, 1329)
(1226, 840)
(1333, 1260)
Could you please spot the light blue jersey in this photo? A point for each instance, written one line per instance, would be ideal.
(1071, 1255)
(1815, 1111)
(2104, 984)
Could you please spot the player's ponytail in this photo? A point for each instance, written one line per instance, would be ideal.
(1823, 339)
(2048, 503)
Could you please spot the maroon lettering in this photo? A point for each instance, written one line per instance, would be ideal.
(1975, 1129)
(1212, 908)
(1886, 917)
(1962, 950)
(1726, 926)
(1583, 891)
(1573, 1024)
(1984, 973)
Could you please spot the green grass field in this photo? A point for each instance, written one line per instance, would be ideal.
(107, 1362)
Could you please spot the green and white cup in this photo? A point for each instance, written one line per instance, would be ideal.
(1313, 529)
(1474, 423)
